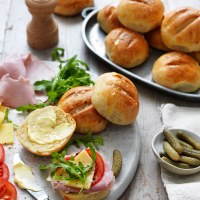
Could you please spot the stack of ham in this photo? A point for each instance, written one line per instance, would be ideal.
(18, 73)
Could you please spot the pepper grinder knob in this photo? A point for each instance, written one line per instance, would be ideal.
(42, 31)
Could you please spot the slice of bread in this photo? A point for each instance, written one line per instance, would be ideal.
(90, 196)
(48, 148)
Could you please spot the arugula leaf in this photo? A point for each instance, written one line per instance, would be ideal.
(71, 74)
(74, 171)
(87, 141)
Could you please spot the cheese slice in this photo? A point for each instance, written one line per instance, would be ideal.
(24, 176)
(6, 133)
(86, 160)
(2, 116)
(3, 109)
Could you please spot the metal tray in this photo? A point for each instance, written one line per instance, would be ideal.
(124, 138)
(94, 37)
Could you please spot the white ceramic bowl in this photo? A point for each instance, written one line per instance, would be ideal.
(157, 147)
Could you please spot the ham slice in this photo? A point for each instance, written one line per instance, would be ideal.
(105, 183)
(16, 92)
(18, 73)
(14, 66)
(37, 70)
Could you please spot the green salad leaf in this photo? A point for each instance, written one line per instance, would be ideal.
(72, 73)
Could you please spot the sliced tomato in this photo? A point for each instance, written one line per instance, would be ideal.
(7, 190)
(99, 168)
(4, 171)
(2, 154)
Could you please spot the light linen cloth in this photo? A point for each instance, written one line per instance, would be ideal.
(181, 187)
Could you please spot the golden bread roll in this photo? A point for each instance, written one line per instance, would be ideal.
(90, 196)
(71, 7)
(77, 102)
(116, 98)
(177, 71)
(140, 15)
(107, 18)
(126, 48)
(154, 39)
(180, 30)
(196, 56)
(46, 130)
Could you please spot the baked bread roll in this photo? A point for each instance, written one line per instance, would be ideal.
(196, 56)
(41, 135)
(71, 7)
(90, 196)
(177, 71)
(126, 48)
(154, 39)
(140, 15)
(107, 18)
(77, 102)
(116, 98)
(180, 30)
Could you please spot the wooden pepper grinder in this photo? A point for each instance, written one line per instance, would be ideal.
(42, 31)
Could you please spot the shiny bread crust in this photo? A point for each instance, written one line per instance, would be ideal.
(71, 7)
(45, 149)
(177, 71)
(140, 15)
(154, 40)
(126, 48)
(77, 102)
(180, 29)
(116, 98)
(107, 18)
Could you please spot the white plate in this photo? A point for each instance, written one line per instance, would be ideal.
(124, 138)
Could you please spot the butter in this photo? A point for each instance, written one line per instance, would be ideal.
(23, 175)
(42, 128)
(86, 160)
(6, 133)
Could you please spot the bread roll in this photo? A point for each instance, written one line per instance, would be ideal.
(90, 196)
(140, 15)
(116, 98)
(71, 7)
(77, 102)
(47, 148)
(177, 71)
(107, 18)
(126, 48)
(154, 39)
(196, 56)
(180, 30)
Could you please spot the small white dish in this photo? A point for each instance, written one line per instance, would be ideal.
(157, 147)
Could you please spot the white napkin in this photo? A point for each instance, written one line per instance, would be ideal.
(181, 187)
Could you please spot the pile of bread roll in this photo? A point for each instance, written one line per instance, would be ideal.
(114, 98)
(133, 25)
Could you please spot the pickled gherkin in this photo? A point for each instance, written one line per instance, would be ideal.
(173, 141)
(171, 152)
(176, 164)
(117, 162)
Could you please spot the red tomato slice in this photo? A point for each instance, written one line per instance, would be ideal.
(99, 168)
(7, 190)
(2, 154)
(4, 171)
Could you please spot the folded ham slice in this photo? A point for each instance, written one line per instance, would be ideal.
(37, 70)
(105, 183)
(18, 73)
(16, 92)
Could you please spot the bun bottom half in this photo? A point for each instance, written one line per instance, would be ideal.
(91, 196)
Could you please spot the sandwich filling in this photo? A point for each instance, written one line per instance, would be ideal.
(99, 177)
